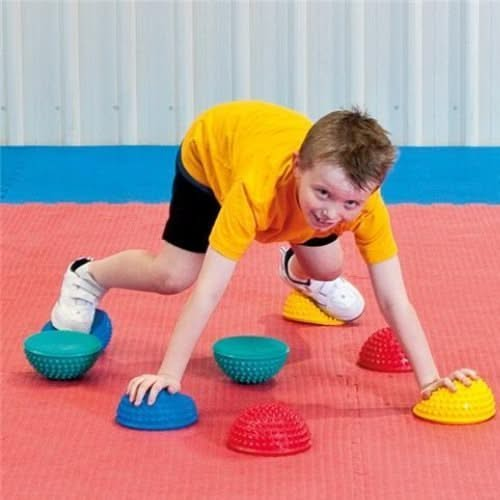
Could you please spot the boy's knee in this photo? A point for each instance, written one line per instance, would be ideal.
(324, 263)
(322, 269)
(168, 281)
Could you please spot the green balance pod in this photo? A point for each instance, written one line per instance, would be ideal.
(62, 355)
(250, 359)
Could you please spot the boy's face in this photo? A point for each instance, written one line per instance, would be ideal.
(326, 196)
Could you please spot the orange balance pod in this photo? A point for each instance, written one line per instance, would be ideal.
(382, 352)
(269, 429)
(468, 405)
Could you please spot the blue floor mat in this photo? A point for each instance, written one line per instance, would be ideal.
(120, 174)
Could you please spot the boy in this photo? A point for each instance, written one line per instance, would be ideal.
(253, 170)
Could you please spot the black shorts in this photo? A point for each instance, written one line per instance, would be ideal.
(320, 242)
(193, 210)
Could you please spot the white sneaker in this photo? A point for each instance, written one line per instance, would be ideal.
(77, 302)
(338, 297)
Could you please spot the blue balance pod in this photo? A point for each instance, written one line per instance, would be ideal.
(169, 412)
(101, 327)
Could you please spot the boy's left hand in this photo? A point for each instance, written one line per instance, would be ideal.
(464, 375)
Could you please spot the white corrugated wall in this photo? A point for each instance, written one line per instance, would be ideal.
(137, 72)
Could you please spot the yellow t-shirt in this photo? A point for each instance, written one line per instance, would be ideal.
(243, 152)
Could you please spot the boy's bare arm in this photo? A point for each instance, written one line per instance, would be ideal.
(392, 297)
(212, 281)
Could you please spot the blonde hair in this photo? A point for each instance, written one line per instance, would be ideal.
(352, 140)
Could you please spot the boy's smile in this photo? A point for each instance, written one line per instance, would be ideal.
(326, 196)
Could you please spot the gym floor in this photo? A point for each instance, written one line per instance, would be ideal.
(59, 439)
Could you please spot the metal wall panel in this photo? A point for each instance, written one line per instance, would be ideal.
(137, 72)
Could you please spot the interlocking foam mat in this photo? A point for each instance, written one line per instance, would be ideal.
(60, 440)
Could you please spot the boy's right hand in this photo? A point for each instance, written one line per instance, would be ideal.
(464, 375)
(138, 387)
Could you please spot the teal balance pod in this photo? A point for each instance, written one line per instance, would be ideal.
(250, 359)
(62, 355)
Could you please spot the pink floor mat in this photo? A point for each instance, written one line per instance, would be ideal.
(60, 441)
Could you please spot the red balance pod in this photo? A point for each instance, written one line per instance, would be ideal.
(382, 352)
(269, 429)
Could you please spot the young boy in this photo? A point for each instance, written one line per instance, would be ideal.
(257, 171)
